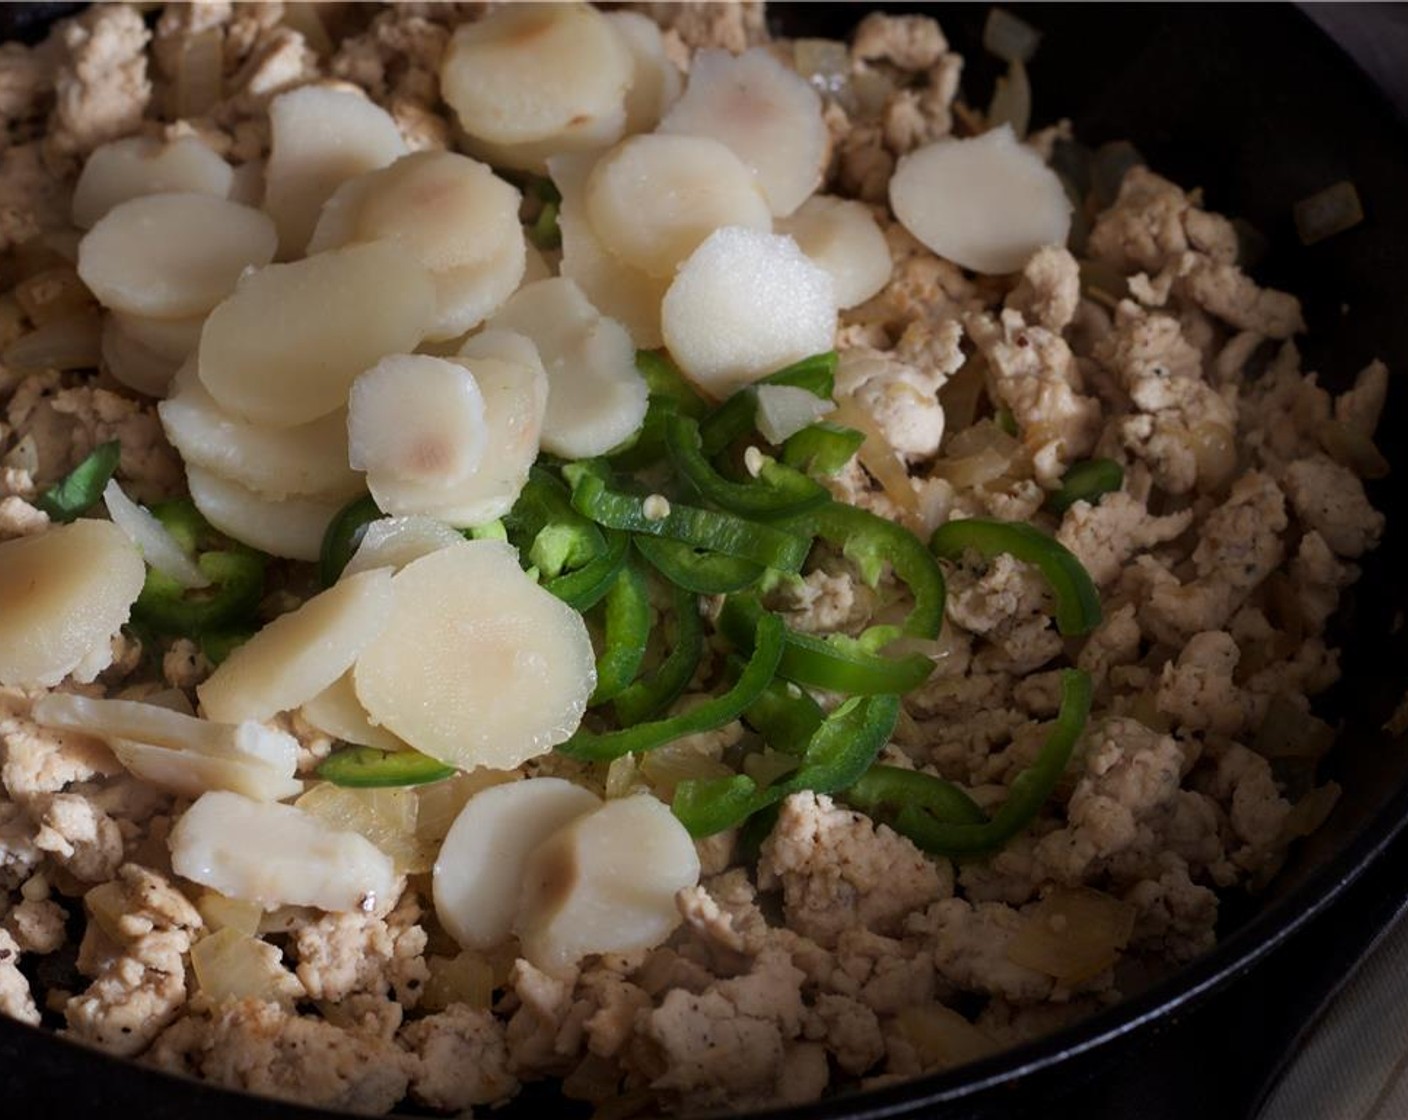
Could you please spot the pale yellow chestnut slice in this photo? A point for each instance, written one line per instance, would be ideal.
(320, 138)
(300, 653)
(308, 460)
(765, 112)
(842, 236)
(393, 542)
(987, 203)
(743, 305)
(63, 595)
(277, 855)
(479, 873)
(287, 345)
(291, 527)
(337, 712)
(136, 165)
(169, 256)
(605, 883)
(478, 665)
(530, 72)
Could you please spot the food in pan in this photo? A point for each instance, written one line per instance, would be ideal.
(604, 546)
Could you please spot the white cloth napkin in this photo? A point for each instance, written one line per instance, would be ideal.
(1354, 1065)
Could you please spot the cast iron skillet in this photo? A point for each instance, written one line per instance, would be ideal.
(1257, 107)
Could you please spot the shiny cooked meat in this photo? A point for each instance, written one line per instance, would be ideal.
(935, 691)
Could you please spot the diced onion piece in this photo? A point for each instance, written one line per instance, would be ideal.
(320, 138)
(879, 457)
(478, 665)
(386, 817)
(466, 978)
(231, 965)
(768, 114)
(665, 767)
(629, 295)
(157, 545)
(652, 199)
(536, 71)
(1012, 101)
(441, 802)
(842, 236)
(300, 653)
(220, 913)
(415, 425)
(136, 165)
(393, 542)
(744, 304)
(1073, 934)
(605, 883)
(278, 855)
(1352, 447)
(63, 595)
(1328, 212)
(479, 873)
(655, 80)
(73, 343)
(286, 346)
(941, 1037)
(1311, 811)
(291, 527)
(596, 396)
(338, 713)
(200, 68)
(784, 410)
(309, 460)
(172, 255)
(1010, 38)
(987, 203)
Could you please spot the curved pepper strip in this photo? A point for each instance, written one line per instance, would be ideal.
(837, 663)
(583, 589)
(605, 746)
(343, 534)
(625, 632)
(658, 691)
(1077, 600)
(1086, 481)
(1025, 797)
(738, 415)
(369, 768)
(779, 491)
(822, 448)
(702, 528)
(668, 392)
(785, 716)
(236, 587)
(871, 542)
(703, 572)
(839, 753)
(885, 790)
(82, 488)
(236, 575)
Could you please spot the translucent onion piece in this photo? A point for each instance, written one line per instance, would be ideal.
(386, 817)
(1012, 101)
(1328, 212)
(158, 546)
(229, 964)
(784, 410)
(73, 343)
(1010, 38)
(1073, 934)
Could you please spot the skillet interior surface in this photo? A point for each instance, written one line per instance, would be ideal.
(1258, 108)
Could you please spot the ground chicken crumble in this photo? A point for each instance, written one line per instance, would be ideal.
(1219, 569)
